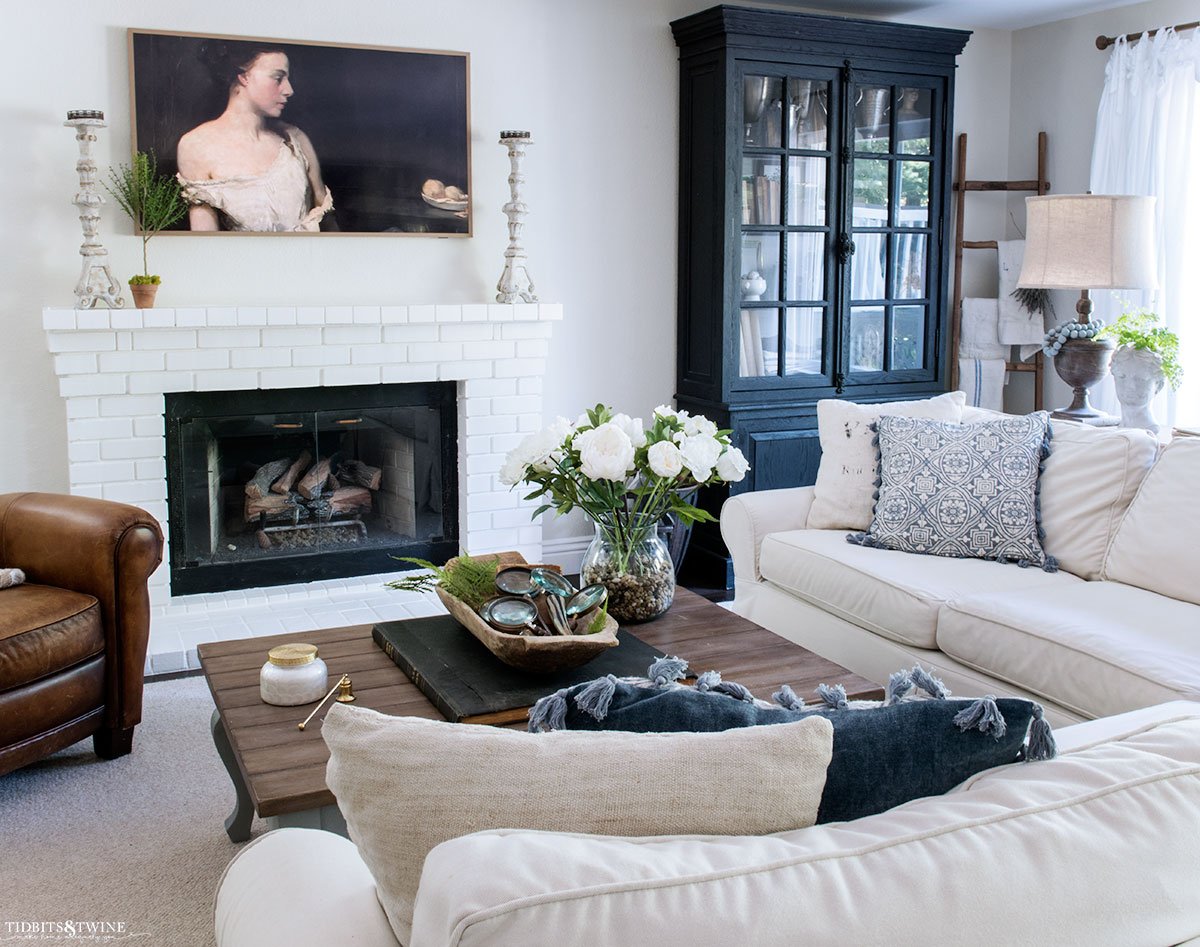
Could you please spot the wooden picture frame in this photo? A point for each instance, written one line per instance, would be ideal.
(385, 131)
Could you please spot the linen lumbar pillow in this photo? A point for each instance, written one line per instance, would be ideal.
(968, 491)
(406, 784)
(844, 492)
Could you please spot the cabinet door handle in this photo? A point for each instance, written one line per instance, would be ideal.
(845, 249)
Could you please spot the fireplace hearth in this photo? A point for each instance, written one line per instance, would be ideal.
(275, 487)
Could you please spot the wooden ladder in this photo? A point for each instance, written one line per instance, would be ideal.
(961, 185)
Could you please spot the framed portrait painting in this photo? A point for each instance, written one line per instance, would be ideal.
(286, 136)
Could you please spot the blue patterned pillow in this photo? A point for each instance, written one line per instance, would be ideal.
(968, 491)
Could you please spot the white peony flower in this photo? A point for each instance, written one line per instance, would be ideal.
(513, 470)
(665, 459)
(700, 453)
(605, 452)
(732, 465)
(633, 427)
(665, 411)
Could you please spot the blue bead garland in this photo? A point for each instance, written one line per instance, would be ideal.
(1056, 338)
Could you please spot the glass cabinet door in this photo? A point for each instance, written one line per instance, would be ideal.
(784, 277)
(891, 277)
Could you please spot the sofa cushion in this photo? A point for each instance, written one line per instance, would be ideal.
(1097, 847)
(1156, 544)
(1096, 648)
(964, 491)
(44, 630)
(1088, 481)
(406, 784)
(894, 594)
(844, 494)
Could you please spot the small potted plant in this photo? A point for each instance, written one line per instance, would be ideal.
(1147, 357)
(153, 202)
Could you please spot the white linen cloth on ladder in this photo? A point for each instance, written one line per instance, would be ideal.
(1017, 325)
(983, 380)
(979, 337)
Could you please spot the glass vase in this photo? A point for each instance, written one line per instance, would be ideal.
(634, 564)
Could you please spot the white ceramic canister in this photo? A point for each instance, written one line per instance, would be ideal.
(293, 675)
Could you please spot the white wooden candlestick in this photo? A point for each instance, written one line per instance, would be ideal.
(515, 270)
(96, 281)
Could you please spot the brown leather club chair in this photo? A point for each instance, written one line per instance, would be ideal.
(73, 637)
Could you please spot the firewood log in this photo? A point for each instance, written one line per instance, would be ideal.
(355, 471)
(272, 504)
(351, 500)
(311, 483)
(288, 480)
(267, 474)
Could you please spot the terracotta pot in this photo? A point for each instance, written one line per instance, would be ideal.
(143, 294)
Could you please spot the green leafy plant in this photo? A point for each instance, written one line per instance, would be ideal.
(596, 625)
(1139, 329)
(152, 201)
(472, 581)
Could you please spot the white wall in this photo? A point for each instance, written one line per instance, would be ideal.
(1057, 78)
(597, 84)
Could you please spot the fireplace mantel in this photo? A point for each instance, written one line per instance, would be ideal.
(114, 367)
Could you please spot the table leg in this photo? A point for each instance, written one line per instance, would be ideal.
(238, 823)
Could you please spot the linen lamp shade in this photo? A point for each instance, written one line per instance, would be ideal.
(1089, 241)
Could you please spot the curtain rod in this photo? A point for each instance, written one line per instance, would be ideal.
(1103, 42)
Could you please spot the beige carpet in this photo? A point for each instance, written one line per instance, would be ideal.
(140, 839)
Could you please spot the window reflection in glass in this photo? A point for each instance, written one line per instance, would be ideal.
(866, 339)
(914, 107)
(759, 348)
(762, 111)
(908, 262)
(804, 337)
(908, 337)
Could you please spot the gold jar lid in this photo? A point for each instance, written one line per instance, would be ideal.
(292, 655)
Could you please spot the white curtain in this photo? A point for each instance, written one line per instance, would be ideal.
(1148, 142)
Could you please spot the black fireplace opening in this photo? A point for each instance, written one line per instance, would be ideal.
(272, 487)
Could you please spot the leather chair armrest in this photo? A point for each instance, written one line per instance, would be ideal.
(105, 549)
(748, 517)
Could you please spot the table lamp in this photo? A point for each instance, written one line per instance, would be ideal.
(1086, 242)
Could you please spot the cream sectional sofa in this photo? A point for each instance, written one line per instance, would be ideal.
(1096, 847)
(1116, 628)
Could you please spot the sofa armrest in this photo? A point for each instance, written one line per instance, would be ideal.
(107, 550)
(299, 888)
(748, 517)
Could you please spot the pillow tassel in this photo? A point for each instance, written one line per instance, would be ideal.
(596, 697)
(708, 680)
(931, 685)
(10, 578)
(898, 685)
(735, 690)
(666, 670)
(1041, 737)
(787, 698)
(982, 715)
(834, 697)
(549, 713)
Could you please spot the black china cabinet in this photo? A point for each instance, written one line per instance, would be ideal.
(813, 217)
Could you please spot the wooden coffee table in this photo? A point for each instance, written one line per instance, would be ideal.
(278, 771)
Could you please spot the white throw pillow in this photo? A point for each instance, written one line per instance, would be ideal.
(406, 784)
(1156, 545)
(1088, 482)
(844, 494)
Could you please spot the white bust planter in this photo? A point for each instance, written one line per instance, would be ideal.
(1138, 375)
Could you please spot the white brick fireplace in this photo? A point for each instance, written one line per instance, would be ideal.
(115, 365)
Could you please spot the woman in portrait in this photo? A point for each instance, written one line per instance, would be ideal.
(247, 169)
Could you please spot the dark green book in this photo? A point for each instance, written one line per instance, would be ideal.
(469, 684)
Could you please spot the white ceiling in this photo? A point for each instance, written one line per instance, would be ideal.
(963, 14)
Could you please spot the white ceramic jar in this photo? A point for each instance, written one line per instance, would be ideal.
(293, 675)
